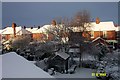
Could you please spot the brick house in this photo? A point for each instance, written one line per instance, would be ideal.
(14, 31)
(105, 30)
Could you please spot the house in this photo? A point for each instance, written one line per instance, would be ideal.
(41, 33)
(14, 31)
(105, 30)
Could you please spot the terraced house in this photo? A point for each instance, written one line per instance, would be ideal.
(105, 30)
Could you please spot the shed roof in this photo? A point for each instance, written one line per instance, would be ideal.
(62, 55)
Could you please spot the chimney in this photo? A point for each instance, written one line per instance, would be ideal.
(14, 29)
(53, 22)
(38, 27)
(31, 27)
(97, 20)
(24, 27)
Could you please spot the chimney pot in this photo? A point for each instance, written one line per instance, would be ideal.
(24, 27)
(14, 29)
(97, 20)
(38, 27)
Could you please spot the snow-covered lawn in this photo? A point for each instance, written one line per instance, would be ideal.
(79, 73)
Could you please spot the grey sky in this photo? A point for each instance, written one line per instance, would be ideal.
(39, 13)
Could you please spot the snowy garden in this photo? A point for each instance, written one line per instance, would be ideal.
(70, 53)
(66, 61)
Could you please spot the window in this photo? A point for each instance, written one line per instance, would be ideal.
(92, 34)
(104, 34)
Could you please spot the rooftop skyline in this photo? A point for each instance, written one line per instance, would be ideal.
(39, 13)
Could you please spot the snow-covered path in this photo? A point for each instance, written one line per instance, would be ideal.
(79, 73)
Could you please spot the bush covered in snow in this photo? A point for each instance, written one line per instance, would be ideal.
(109, 65)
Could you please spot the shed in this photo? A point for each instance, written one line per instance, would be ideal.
(60, 61)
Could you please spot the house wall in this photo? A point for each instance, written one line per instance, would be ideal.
(38, 36)
(98, 34)
(7, 36)
(110, 35)
(25, 35)
(41, 36)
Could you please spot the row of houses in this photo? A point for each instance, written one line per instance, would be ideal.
(106, 30)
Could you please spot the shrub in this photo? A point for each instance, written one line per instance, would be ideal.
(20, 42)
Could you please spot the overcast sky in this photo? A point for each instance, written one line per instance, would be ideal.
(40, 13)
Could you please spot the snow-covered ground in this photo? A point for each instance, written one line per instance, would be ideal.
(15, 66)
(79, 73)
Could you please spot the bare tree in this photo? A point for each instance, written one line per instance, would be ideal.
(72, 29)
(81, 21)
(80, 24)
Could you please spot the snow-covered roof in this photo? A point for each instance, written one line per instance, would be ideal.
(19, 31)
(9, 30)
(45, 28)
(15, 66)
(23, 31)
(62, 55)
(118, 28)
(97, 39)
(103, 26)
(42, 29)
(32, 30)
